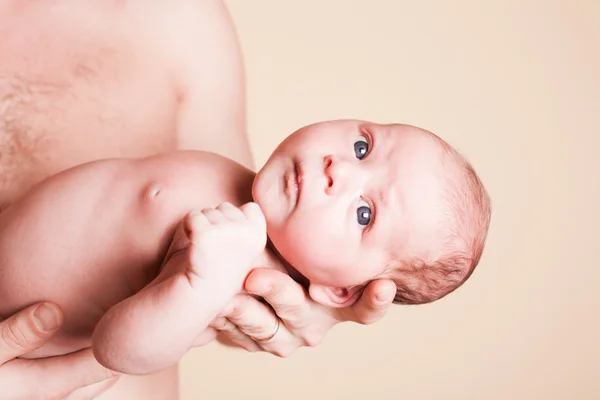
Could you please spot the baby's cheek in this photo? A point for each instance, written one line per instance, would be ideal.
(309, 244)
(316, 258)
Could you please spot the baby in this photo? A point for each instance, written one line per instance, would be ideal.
(129, 247)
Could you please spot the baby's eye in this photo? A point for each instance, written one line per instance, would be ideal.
(363, 213)
(361, 147)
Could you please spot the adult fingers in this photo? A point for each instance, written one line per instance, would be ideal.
(205, 337)
(227, 323)
(246, 322)
(373, 303)
(231, 340)
(230, 335)
(92, 391)
(286, 296)
(222, 324)
(74, 371)
(251, 316)
(28, 330)
(237, 338)
(282, 344)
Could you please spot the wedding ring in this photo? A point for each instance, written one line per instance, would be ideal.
(271, 336)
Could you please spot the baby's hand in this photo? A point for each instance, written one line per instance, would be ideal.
(224, 242)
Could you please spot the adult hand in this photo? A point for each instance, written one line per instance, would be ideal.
(302, 321)
(73, 376)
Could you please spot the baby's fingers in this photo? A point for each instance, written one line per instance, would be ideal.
(193, 223)
(231, 212)
(254, 214)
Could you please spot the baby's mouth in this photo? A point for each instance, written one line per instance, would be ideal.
(292, 186)
(299, 180)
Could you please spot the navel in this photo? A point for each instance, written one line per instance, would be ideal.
(151, 191)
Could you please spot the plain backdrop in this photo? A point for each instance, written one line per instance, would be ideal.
(514, 85)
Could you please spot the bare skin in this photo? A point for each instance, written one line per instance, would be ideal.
(87, 83)
(82, 81)
(122, 215)
(84, 85)
(100, 239)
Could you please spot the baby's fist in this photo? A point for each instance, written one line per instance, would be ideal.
(226, 239)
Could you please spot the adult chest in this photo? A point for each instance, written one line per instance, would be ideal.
(75, 88)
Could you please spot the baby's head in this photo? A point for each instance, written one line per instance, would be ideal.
(350, 201)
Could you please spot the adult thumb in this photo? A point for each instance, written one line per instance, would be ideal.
(28, 330)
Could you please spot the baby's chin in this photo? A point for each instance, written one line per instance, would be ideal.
(254, 188)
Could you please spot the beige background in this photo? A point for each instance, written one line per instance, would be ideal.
(515, 87)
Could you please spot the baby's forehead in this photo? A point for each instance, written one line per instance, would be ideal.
(410, 152)
(416, 179)
(409, 136)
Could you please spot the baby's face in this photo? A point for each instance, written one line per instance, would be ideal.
(340, 196)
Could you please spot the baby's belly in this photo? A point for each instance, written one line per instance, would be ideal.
(79, 251)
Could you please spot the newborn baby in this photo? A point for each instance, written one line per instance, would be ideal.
(129, 247)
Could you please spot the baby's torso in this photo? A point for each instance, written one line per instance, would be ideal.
(110, 242)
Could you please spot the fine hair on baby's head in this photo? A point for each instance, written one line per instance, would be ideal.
(461, 236)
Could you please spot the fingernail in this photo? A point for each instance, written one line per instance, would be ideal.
(384, 297)
(46, 317)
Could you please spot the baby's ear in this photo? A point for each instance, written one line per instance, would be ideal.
(335, 297)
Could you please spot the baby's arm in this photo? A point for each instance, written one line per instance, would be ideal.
(153, 329)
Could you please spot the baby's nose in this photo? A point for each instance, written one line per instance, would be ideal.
(338, 173)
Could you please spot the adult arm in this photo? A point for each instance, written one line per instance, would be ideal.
(209, 73)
